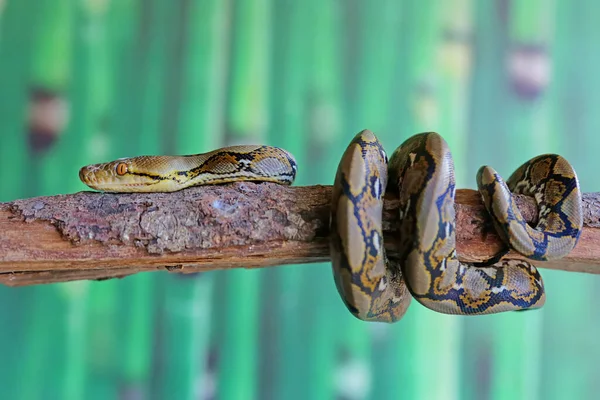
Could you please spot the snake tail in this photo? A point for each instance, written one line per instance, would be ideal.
(553, 183)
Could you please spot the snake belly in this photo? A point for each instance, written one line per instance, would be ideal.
(173, 173)
(370, 285)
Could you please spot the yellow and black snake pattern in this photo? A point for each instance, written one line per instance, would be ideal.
(421, 174)
(552, 182)
(173, 173)
(371, 286)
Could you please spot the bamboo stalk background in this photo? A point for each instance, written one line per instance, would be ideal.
(289, 128)
(323, 122)
(189, 76)
(564, 97)
(14, 81)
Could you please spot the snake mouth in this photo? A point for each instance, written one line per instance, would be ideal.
(120, 187)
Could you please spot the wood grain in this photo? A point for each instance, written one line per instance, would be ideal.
(91, 235)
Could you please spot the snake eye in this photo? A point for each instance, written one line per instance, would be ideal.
(121, 169)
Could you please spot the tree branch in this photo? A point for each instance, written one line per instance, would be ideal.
(91, 235)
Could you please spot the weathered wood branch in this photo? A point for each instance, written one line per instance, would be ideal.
(91, 235)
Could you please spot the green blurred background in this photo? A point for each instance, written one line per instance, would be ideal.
(85, 81)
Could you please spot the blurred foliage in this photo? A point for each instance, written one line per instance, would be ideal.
(84, 81)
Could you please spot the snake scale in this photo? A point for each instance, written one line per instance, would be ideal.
(420, 173)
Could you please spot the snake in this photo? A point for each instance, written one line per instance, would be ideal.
(144, 174)
(420, 172)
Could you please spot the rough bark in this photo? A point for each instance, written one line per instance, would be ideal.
(91, 235)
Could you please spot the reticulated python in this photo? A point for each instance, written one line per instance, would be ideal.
(421, 173)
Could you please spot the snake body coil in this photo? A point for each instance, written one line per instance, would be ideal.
(371, 286)
(421, 173)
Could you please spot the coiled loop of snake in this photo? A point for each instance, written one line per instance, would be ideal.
(370, 285)
(421, 173)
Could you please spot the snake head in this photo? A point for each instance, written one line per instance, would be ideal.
(114, 176)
